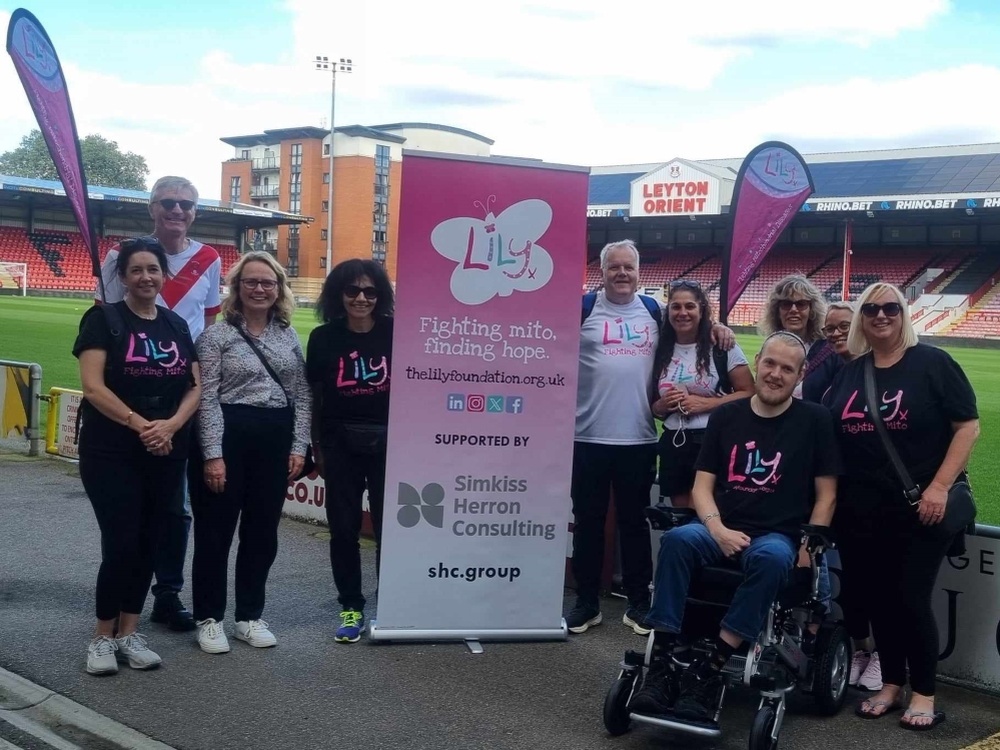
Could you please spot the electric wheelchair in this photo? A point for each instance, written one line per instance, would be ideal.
(786, 656)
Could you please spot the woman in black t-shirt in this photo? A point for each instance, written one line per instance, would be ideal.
(895, 552)
(141, 386)
(796, 305)
(348, 364)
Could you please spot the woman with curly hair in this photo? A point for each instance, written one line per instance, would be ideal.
(348, 368)
(797, 306)
(254, 432)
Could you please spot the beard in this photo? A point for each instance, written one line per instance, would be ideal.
(774, 398)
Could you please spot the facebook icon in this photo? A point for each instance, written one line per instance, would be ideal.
(515, 405)
(456, 402)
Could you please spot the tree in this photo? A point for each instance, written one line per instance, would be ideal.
(104, 163)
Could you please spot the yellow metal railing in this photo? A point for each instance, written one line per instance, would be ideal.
(60, 425)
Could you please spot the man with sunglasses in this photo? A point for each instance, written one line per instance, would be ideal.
(191, 290)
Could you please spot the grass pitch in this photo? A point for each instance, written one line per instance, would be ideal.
(42, 330)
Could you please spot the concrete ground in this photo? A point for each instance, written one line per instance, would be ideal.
(310, 692)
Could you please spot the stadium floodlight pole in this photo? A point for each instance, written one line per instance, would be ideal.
(344, 66)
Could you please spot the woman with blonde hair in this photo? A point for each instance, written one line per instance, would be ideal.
(797, 306)
(895, 545)
(254, 426)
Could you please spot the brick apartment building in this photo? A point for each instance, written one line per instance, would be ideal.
(288, 169)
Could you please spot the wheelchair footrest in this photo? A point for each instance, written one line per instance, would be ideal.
(709, 730)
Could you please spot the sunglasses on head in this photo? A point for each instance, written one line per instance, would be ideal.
(891, 309)
(798, 304)
(141, 243)
(353, 291)
(685, 284)
(169, 203)
(832, 329)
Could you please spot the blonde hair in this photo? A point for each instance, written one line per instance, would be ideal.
(857, 342)
(284, 306)
(799, 285)
(842, 304)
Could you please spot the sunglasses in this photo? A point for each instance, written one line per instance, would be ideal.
(842, 327)
(685, 284)
(798, 304)
(140, 242)
(353, 291)
(169, 203)
(266, 284)
(890, 309)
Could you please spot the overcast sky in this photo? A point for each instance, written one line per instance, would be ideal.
(570, 81)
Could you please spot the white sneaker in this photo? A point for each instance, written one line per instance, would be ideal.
(858, 664)
(871, 679)
(133, 648)
(101, 656)
(211, 637)
(256, 633)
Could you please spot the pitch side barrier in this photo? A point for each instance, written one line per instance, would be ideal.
(20, 394)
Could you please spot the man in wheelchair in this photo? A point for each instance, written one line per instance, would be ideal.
(768, 464)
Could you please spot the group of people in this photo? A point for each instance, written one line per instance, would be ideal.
(180, 409)
(185, 416)
(757, 458)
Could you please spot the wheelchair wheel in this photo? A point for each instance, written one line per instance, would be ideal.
(763, 725)
(833, 664)
(616, 718)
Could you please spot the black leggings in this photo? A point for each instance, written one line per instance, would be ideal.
(255, 447)
(891, 564)
(128, 493)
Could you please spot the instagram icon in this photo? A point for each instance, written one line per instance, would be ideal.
(475, 402)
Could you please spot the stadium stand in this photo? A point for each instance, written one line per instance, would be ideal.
(58, 261)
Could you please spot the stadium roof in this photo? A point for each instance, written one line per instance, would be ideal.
(50, 193)
(377, 132)
(970, 170)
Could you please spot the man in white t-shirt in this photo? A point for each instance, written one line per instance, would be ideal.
(192, 291)
(615, 443)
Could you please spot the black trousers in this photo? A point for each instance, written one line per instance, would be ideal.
(629, 471)
(348, 473)
(891, 564)
(129, 496)
(255, 447)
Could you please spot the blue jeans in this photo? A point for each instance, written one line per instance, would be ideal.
(766, 564)
(173, 527)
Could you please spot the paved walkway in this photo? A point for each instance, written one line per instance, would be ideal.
(310, 692)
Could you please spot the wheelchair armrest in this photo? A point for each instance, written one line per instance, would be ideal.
(664, 517)
(817, 536)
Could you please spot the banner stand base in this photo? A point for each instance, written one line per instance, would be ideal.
(471, 637)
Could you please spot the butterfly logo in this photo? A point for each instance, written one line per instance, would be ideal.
(498, 254)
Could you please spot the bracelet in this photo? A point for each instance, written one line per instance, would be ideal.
(128, 419)
(709, 517)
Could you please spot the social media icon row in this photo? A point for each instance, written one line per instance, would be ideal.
(477, 402)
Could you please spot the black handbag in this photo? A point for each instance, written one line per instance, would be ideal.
(309, 465)
(960, 510)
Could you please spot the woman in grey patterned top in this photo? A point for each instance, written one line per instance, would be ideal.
(254, 426)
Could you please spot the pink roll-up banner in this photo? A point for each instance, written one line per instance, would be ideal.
(483, 401)
(41, 74)
(772, 184)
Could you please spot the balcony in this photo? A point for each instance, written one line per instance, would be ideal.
(264, 191)
(268, 163)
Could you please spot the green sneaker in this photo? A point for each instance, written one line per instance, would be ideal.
(352, 625)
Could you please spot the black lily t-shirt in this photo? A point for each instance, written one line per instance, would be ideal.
(921, 395)
(765, 467)
(352, 370)
(149, 369)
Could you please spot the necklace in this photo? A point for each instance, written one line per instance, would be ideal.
(138, 314)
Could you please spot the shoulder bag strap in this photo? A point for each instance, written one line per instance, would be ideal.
(911, 491)
(263, 361)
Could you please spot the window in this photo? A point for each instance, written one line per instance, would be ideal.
(326, 205)
(326, 178)
(296, 157)
(326, 149)
(382, 158)
(234, 189)
(245, 154)
(322, 234)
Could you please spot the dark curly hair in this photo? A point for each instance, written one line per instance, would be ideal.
(128, 248)
(668, 336)
(330, 305)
